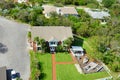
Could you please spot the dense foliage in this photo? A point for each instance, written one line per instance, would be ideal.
(68, 2)
(108, 3)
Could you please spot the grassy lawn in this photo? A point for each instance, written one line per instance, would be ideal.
(46, 62)
(45, 65)
(63, 57)
(68, 72)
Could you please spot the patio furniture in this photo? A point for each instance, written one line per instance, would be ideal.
(85, 60)
(90, 66)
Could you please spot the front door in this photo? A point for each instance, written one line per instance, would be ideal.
(52, 49)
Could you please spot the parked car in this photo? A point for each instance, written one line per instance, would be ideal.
(13, 75)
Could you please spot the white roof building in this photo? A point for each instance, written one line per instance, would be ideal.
(77, 48)
(77, 51)
(97, 14)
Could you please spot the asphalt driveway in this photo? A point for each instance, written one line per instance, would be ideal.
(13, 47)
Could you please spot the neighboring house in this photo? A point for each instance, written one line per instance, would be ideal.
(3, 74)
(98, 14)
(59, 10)
(20, 1)
(53, 35)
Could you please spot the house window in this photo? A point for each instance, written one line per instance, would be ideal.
(52, 43)
(38, 48)
(48, 14)
(103, 20)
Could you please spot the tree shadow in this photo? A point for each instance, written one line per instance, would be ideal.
(3, 48)
(77, 41)
(40, 66)
(42, 74)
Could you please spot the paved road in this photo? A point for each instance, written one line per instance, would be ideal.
(13, 47)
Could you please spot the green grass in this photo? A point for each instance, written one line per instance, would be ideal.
(46, 61)
(63, 57)
(69, 72)
(32, 65)
(45, 65)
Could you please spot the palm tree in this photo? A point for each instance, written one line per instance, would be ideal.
(67, 43)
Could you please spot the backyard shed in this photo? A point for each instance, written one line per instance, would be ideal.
(77, 51)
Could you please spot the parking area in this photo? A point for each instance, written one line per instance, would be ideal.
(13, 47)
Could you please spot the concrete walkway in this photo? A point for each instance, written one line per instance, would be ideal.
(53, 67)
(54, 63)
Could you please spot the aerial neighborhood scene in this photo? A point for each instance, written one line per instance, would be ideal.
(59, 39)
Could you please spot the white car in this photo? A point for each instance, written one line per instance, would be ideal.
(13, 75)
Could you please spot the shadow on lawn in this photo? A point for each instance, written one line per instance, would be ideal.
(78, 41)
(42, 74)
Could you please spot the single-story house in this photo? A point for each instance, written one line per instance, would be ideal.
(53, 35)
(59, 10)
(77, 51)
(3, 74)
(20, 1)
(97, 14)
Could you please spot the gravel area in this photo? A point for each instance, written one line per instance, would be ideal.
(13, 47)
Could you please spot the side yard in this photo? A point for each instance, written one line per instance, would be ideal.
(90, 46)
(41, 63)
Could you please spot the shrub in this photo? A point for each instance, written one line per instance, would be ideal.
(108, 3)
(59, 48)
(29, 34)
